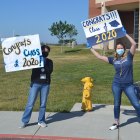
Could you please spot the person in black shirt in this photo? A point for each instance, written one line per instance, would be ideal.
(40, 82)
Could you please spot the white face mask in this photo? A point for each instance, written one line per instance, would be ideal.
(120, 52)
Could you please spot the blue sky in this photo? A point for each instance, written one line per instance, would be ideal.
(27, 17)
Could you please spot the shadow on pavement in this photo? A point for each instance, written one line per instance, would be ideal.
(64, 116)
(129, 112)
(98, 107)
(129, 121)
(31, 124)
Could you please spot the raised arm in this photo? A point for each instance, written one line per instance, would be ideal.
(103, 58)
(133, 44)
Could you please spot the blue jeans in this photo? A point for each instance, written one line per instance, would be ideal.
(34, 90)
(130, 93)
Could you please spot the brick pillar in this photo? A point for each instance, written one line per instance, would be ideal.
(93, 10)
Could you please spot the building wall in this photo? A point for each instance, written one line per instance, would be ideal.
(127, 17)
(125, 8)
(95, 5)
(114, 2)
(99, 1)
(93, 10)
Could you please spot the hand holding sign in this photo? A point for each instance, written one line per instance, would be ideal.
(124, 30)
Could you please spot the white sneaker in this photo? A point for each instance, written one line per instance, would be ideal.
(113, 127)
(42, 124)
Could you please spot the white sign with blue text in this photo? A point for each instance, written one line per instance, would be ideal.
(22, 52)
(102, 23)
(103, 28)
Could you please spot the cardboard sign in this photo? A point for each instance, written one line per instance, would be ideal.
(103, 28)
(22, 52)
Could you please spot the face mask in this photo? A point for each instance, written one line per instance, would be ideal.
(45, 54)
(120, 52)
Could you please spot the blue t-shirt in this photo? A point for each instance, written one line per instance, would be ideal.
(123, 68)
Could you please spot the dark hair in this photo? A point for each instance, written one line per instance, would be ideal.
(120, 43)
(45, 46)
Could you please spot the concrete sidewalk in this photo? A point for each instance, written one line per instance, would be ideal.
(75, 125)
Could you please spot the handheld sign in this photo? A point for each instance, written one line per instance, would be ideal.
(22, 52)
(103, 28)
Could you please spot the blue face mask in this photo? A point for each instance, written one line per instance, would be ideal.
(120, 52)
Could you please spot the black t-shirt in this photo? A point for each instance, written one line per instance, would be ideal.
(43, 75)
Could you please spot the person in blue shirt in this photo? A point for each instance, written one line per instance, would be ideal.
(123, 78)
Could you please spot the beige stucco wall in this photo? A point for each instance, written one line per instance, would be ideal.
(99, 1)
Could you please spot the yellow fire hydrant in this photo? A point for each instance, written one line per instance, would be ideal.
(86, 99)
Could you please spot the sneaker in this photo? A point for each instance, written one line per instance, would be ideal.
(23, 125)
(42, 124)
(113, 127)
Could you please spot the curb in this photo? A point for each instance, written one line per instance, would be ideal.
(32, 137)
